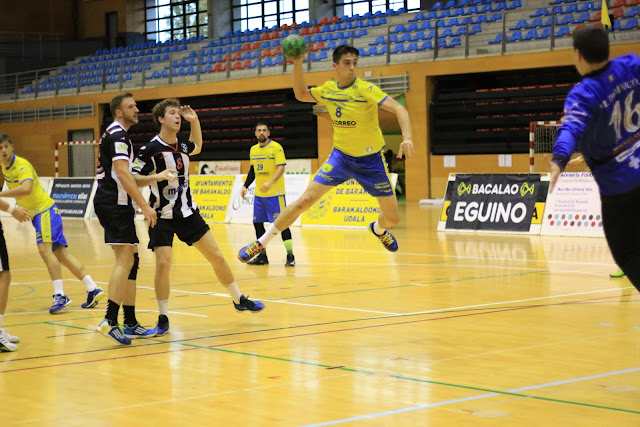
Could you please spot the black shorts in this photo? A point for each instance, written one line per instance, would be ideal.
(189, 230)
(117, 221)
(4, 255)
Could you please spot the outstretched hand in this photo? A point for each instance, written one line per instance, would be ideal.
(188, 113)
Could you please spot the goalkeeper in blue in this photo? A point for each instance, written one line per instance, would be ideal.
(602, 119)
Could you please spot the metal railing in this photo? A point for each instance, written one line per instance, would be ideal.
(13, 85)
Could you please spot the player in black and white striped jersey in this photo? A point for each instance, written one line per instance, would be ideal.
(177, 212)
(114, 205)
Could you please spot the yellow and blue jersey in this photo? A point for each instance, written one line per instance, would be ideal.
(265, 160)
(354, 115)
(19, 171)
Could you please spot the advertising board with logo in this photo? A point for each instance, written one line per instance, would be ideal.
(219, 168)
(494, 203)
(72, 196)
(212, 195)
(347, 205)
(573, 209)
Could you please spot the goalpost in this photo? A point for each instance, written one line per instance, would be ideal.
(542, 136)
(62, 162)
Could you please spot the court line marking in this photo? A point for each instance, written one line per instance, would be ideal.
(277, 301)
(282, 301)
(492, 393)
(612, 263)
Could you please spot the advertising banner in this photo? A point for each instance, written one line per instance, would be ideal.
(347, 205)
(573, 209)
(219, 168)
(495, 203)
(241, 210)
(72, 196)
(212, 194)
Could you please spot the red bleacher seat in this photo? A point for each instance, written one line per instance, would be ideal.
(266, 52)
(618, 3)
(246, 47)
(596, 17)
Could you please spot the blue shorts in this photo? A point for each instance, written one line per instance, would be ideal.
(48, 225)
(370, 172)
(267, 209)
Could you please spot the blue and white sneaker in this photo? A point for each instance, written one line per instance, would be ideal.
(245, 254)
(59, 302)
(162, 327)
(387, 239)
(94, 297)
(113, 332)
(247, 305)
(138, 331)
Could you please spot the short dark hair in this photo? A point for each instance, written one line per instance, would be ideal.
(4, 137)
(342, 50)
(592, 42)
(116, 102)
(261, 124)
(161, 107)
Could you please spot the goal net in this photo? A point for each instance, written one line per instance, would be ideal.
(542, 137)
(76, 158)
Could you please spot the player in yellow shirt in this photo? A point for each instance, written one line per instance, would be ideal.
(267, 168)
(357, 147)
(25, 187)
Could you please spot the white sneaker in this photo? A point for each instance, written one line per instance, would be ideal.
(9, 337)
(5, 345)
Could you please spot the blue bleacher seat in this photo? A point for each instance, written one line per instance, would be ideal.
(545, 34)
(562, 31)
(378, 40)
(632, 11)
(514, 5)
(540, 12)
(497, 40)
(417, 17)
(397, 29)
(520, 25)
(398, 49)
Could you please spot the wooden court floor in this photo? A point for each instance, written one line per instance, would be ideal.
(453, 329)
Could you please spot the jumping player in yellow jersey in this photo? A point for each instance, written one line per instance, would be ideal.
(267, 168)
(25, 187)
(358, 147)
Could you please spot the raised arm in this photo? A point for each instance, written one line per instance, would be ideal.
(300, 89)
(196, 131)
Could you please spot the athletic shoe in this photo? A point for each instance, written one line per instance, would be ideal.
(387, 239)
(618, 273)
(113, 332)
(138, 331)
(249, 251)
(162, 327)
(247, 305)
(59, 302)
(9, 337)
(291, 261)
(5, 345)
(261, 259)
(94, 297)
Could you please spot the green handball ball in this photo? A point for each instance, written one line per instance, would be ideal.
(293, 46)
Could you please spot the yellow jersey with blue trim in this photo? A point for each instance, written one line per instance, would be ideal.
(19, 171)
(354, 115)
(265, 160)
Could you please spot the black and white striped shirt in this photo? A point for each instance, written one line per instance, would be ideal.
(114, 145)
(169, 199)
